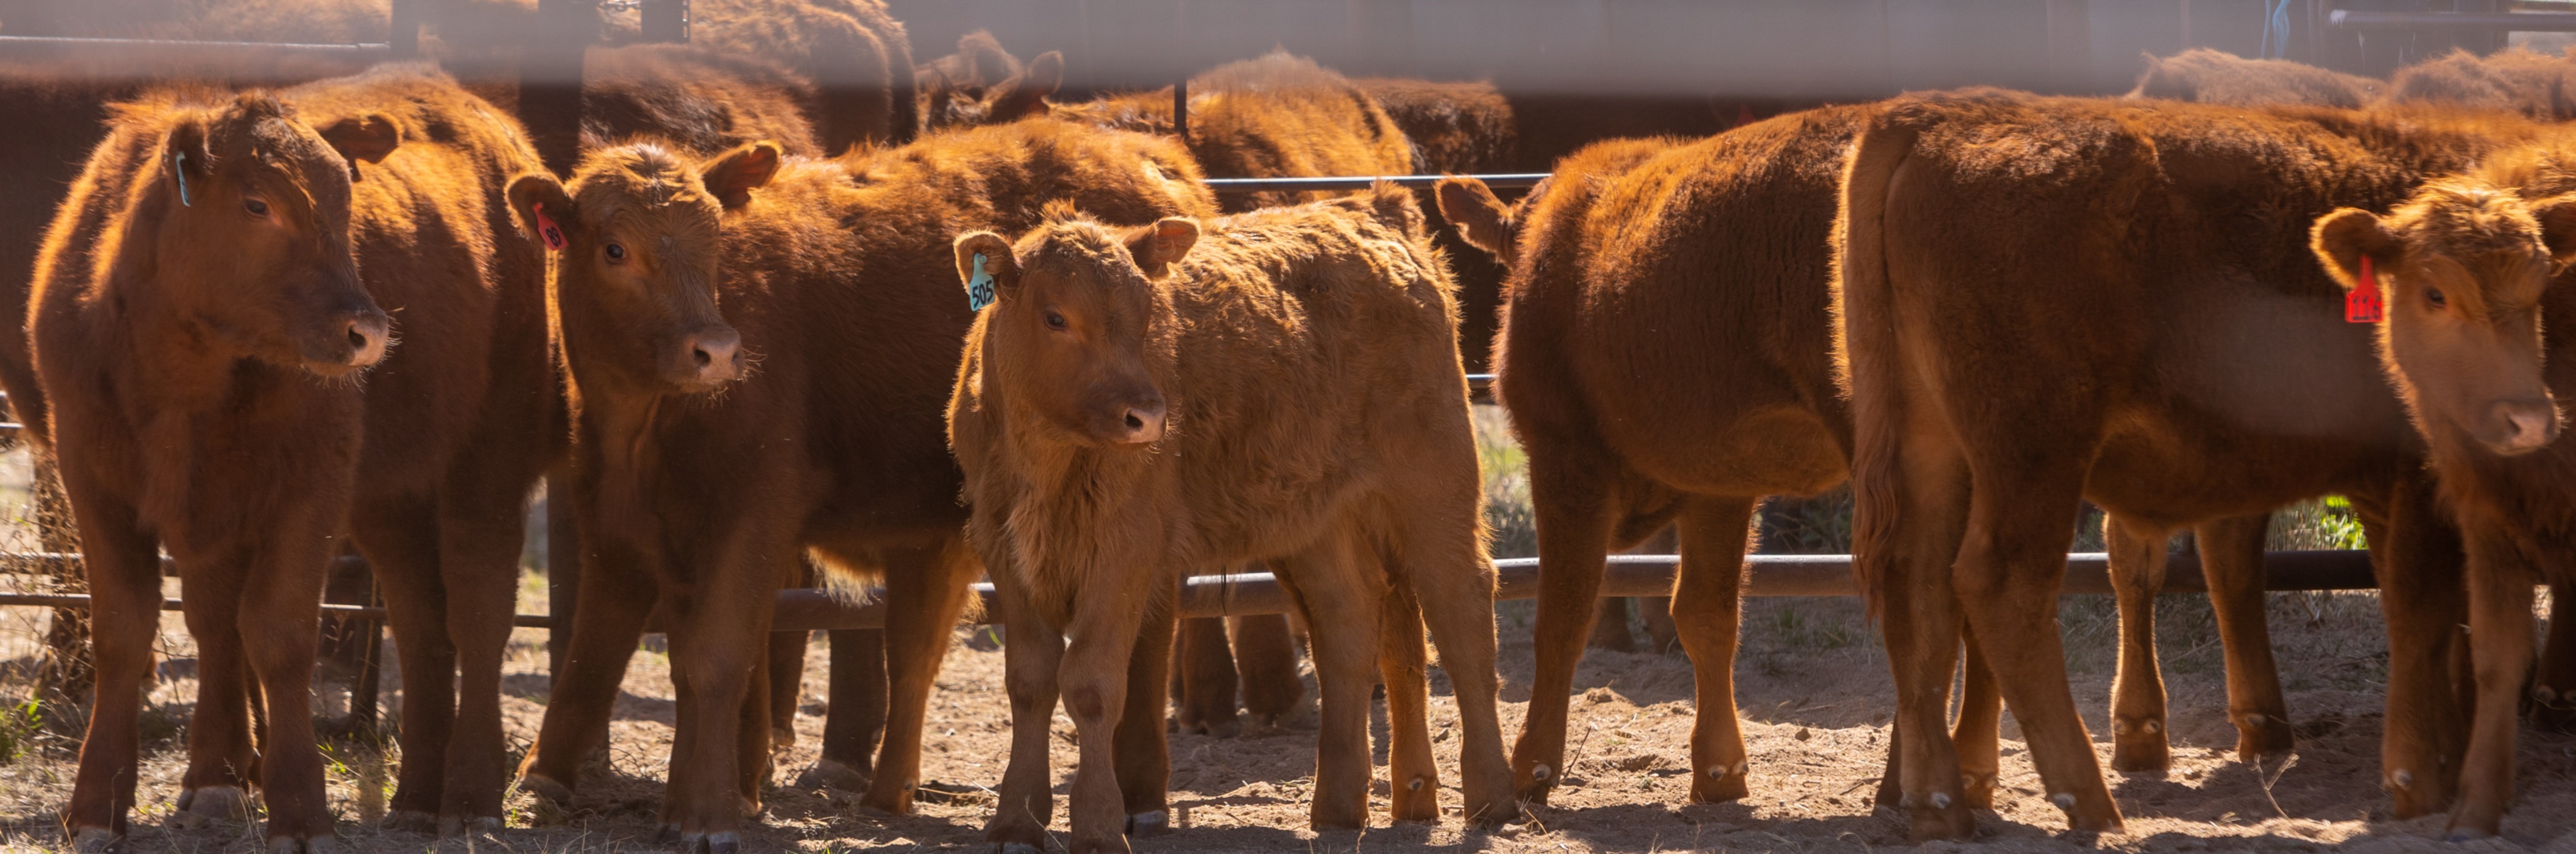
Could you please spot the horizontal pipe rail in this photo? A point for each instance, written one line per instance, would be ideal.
(2546, 22)
(1516, 180)
(1628, 575)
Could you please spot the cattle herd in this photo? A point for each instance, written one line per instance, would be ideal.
(803, 304)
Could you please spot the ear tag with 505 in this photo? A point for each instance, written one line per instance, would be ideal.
(979, 286)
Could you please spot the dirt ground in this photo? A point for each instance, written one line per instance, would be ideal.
(1812, 687)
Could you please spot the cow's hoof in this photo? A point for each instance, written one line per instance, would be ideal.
(832, 774)
(450, 827)
(1721, 783)
(411, 821)
(1977, 791)
(206, 806)
(1155, 823)
(97, 840)
(291, 845)
(724, 843)
(546, 789)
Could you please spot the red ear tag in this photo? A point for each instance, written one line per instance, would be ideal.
(552, 234)
(2362, 304)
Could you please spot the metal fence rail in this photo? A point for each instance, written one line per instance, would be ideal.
(1629, 575)
(1504, 181)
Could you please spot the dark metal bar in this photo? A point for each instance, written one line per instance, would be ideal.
(85, 43)
(2546, 22)
(1410, 182)
(1629, 575)
(1644, 575)
(1181, 109)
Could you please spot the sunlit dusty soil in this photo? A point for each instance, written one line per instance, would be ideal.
(1813, 691)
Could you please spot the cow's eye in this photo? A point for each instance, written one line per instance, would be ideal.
(1054, 320)
(616, 252)
(2434, 296)
(255, 207)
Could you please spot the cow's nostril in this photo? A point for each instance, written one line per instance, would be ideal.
(1135, 423)
(357, 339)
(704, 359)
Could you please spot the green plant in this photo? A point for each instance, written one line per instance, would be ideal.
(20, 725)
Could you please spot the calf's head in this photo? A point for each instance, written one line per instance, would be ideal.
(2460, 269)
(244, 229)
(1081, 325)
(1481, 219)
(637, 240)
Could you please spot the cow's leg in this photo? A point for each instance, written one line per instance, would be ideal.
(1340, 589)
(752, 770)
(400, 537)
(221, 752)
(1662, 634)
(1144, 752)
(2010, 567)
(1265, 661)
(1909, 491)
(1093, 676)
(1032, 656)
(1707, 608)
(1437, 550)
(856, 718)
(1610, 627)
(2137, 552)
(2500, 634)
(481, 529)
(2553, 687)
(123, 567)
(1405, 666)
(719, 639)
(607, 622)
(1572, 507)
(786, 683)
(2231, 561)
(1978, 735)
(1205, 678)
(926, 591)
(2417, 556)
(280, 627)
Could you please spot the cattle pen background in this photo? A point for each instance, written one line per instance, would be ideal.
(1811, 677)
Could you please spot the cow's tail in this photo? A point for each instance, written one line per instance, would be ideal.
(1868, 363)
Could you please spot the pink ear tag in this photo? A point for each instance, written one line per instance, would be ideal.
(551, 233)
(2362, 304)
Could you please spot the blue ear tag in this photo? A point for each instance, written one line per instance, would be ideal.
(179, 166)
(979, 287)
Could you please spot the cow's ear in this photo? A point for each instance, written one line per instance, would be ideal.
(734, 174)
(1159, 246)
(1026, 92)
(367, 137)
(985, 267)
(2557, 215)
(1479, 217)
(544, 210)
(184, 154)
(2341, 239)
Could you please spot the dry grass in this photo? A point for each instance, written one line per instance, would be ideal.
(1811, 682)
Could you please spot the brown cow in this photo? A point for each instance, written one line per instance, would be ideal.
(954, 88)
(2217, 77)
(1101, 338)
(461, 415)
(826, 283)
(857, 55)
(1275, 116)
(693, 97)
(2516, 79)
(2465, 270)
(2202, 371)
(1708, 384)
